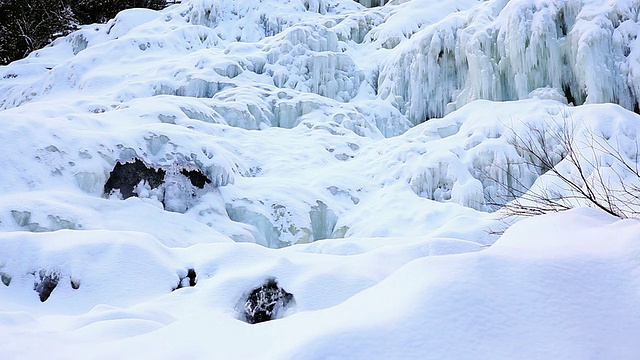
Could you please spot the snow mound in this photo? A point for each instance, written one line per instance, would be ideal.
(546, 288)
(559, 282)
(87, 267)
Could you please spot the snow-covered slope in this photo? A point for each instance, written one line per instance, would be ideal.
(559, 286)
(157, 168)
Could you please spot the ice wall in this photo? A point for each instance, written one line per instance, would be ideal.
(254, 20)
(200, 48)
(504, 50)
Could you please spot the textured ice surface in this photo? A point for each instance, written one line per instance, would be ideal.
(281, 111)
(307, 117)
(504, 50)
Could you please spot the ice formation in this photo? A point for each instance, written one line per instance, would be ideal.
(212, 64)
(212, 69)
(158, 167)
(505, 50)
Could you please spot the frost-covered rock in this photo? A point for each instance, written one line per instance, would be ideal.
(45, 283)
(86, 267)
(267, 302)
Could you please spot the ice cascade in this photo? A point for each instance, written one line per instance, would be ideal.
(505, 50)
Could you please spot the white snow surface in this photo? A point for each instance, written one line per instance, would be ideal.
(562, 286)
(307, 118)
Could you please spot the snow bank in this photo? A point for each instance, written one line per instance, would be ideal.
(89, 268)
(557, 285)
(547, 288)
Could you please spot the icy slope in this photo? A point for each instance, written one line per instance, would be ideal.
(177, 90)
(276, 186)
(158, 170)
(200, 48)
(426, 58)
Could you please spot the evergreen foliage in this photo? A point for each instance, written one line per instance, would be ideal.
(100, 11)
(28, 25)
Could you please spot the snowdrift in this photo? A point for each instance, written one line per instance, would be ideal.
(556, 286)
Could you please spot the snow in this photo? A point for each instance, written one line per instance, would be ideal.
(550, 286)
(307, 119)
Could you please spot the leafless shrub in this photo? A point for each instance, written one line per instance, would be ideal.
(589, 169)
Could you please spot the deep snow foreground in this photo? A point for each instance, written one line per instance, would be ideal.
(265, 124)
(560, 286)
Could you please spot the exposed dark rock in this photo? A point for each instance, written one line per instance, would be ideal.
(125, 177)
(75, 284)
(196, 177)
(6, 279)
(266, 302)
(46, 283)
(191, 274)
(189, 280)
(569, 95)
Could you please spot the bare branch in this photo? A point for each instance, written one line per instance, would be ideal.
(543, 147)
